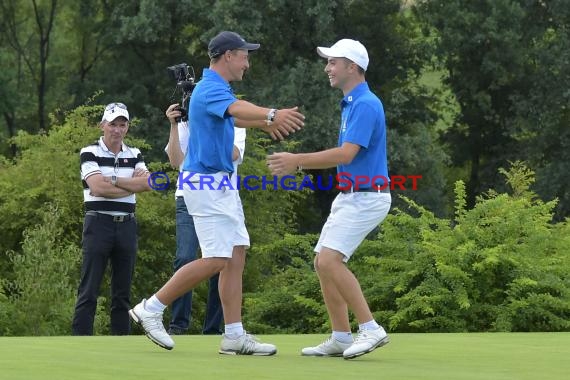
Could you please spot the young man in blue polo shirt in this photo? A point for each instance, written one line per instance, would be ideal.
(361, 159)
(214, 111)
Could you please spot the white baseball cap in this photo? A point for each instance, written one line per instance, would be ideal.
(114, 110)
(346, 48)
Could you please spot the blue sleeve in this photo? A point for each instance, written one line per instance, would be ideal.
(218, 101)
(360, 125)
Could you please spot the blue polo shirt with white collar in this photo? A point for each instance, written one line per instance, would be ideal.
(363, 123)
(211, 142)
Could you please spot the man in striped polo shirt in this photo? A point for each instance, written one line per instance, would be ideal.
(112, 173)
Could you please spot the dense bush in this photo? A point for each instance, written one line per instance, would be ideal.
(287, 298)
(43, 289)
(501, 266)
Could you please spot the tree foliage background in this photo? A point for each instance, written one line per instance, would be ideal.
(469, 88)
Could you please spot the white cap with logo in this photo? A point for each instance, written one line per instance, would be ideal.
(114, 110)
(346, 48)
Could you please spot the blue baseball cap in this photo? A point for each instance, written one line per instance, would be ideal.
(225, 41)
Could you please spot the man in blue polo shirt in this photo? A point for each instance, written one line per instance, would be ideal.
(361, 162)
(214, 111)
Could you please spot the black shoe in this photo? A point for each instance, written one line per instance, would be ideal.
(176, 331)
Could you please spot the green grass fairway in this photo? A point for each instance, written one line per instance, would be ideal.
(513, 356)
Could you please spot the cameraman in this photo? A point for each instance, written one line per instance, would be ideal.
(214, 111)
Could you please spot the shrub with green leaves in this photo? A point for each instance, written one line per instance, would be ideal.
(42, 292)
(288, 296)
(501, 266)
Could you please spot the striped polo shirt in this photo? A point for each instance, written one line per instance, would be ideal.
(98, 159)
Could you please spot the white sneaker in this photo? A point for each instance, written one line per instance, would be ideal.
(366, 341)
(330, 347)
(152, 325)
(246, 345)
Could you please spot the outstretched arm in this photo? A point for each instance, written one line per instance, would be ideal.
(249, 115)
(283, 163)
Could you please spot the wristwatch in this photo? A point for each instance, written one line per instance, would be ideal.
(114, 180)
(271, 115)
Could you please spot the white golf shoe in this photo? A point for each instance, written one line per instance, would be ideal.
(246, 344)
(366, 341)
(152, 325)
(330, 347)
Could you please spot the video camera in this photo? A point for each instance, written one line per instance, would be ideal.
(185, 83)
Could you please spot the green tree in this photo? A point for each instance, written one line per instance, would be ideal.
(120, 54)
(542, 109)
(507, 65)
(28, 32)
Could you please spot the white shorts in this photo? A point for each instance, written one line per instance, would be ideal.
(352, 217)
(215, 213)
(242, 236)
